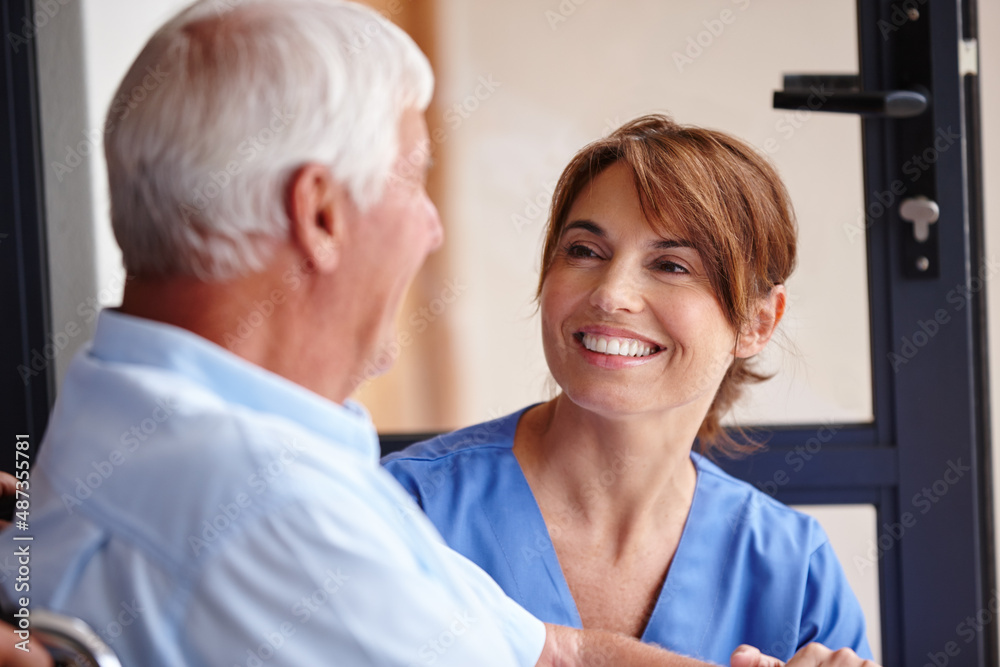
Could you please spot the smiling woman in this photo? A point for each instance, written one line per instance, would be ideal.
(662, 276)
(620, 283)
(704, 201)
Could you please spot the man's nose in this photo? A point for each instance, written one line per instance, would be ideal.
(436, 228)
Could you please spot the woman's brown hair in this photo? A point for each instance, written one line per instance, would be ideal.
(725, 199)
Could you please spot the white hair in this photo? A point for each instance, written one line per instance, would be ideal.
(223, 105)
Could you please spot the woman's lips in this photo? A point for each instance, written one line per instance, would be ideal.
(618, 351)
(617, 345)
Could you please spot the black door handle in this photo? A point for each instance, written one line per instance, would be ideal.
(840, 93)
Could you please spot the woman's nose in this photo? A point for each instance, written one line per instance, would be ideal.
(618, 290)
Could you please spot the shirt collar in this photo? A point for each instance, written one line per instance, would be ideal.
(135, 340)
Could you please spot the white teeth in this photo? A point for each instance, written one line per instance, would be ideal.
(622, 347)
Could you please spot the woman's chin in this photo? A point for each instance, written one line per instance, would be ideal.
(608, 402)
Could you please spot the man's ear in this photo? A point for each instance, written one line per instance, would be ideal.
(758, 332)
(317, 208)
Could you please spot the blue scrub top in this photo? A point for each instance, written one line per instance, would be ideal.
(747, 570)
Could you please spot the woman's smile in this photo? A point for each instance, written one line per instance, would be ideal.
(613, 347)
(622, 347)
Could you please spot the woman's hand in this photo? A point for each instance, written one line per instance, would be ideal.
(812, 655)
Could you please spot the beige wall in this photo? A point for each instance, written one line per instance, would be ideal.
(560, 79)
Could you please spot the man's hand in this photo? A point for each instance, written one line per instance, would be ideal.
(812, 655)
(8, 484)
(8, 487)
(11, 656)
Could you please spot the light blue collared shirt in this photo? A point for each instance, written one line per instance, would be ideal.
(196, 509)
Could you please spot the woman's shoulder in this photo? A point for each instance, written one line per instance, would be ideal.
(493, 436)
(444, 473)
(751, 511)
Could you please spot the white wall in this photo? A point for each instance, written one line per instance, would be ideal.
(68, 195)
(83, 53)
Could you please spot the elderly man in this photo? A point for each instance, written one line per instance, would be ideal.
(207, 494)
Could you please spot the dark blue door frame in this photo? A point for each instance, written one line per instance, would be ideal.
(24, 300)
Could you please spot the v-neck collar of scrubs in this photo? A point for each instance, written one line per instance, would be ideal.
(686, 572)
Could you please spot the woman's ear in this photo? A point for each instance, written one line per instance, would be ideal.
(317, 206)
(758, 332)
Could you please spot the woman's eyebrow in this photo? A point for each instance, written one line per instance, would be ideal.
(597, 230)
(587, 226)
(667, 244)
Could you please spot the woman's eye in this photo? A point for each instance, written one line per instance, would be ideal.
(670, 267)
(579, 250)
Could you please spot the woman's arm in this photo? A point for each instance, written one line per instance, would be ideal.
(568, 647)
